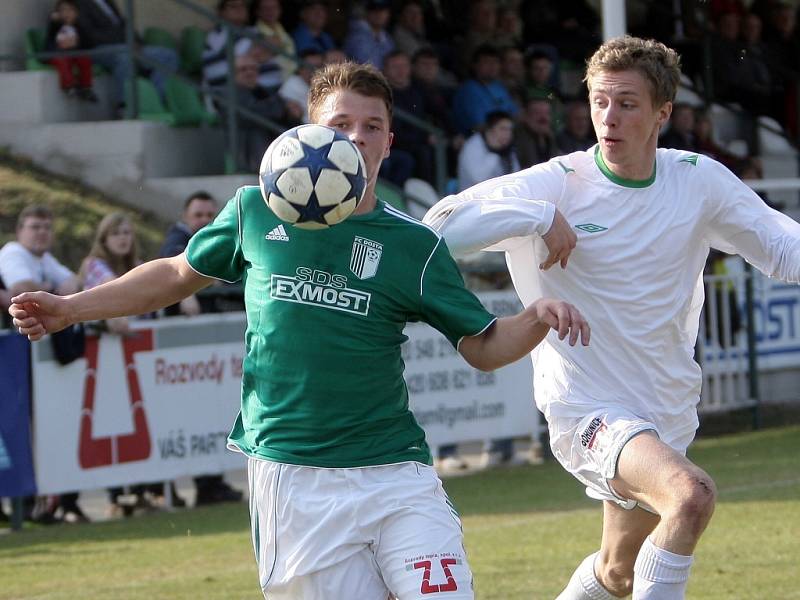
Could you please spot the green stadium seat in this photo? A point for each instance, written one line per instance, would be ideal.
(155, 36)
(391, 194)
(34, 42)
(193, 41)
(186, 105)
(150, 106)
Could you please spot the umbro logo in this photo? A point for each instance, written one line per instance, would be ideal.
(591, 228)
(278, 234)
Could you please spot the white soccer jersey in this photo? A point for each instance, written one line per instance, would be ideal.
(636, 273)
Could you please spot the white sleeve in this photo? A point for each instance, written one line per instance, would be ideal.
(741, 223)
(498, 214)
(54, 271)
(14, 266)
(475, 163)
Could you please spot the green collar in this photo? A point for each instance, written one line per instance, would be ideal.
(631, 183)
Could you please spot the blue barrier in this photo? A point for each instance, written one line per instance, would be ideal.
(16, 461)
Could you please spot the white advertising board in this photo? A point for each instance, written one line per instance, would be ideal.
(154, 405)
(159, 404)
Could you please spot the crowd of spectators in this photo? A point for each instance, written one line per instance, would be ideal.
(451, 64)
(27, 264)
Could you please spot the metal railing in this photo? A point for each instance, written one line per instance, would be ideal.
(226, 95)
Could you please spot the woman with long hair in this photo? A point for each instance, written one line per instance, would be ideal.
(113, 253)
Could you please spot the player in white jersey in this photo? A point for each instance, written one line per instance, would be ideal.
(631, 226)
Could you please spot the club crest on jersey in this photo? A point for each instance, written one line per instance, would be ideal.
(365, 257)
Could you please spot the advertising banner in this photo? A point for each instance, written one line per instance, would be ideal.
(153, 405)
(454, 402)
(159, 403)
(16, 464)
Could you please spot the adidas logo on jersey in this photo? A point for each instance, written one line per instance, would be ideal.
(278, 234)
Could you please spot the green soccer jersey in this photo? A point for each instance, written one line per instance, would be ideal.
(322, 380)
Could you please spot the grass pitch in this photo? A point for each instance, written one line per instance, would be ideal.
(526, 529)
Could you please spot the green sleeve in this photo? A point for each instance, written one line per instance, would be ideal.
(447, 304)
(216, 250)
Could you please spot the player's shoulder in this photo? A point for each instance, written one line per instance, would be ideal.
(688, 165)
(567, 165)
(247, 195)
(409, 224)
(12, 249)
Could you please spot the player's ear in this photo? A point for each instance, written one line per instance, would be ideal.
(389, 145)
(663, 114)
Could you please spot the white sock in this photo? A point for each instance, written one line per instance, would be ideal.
(659, 574)
(583, 584)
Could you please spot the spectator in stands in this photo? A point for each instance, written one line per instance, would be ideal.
(65, 33)
(739, 75)
(215, 61)
(784, 50)
(437, 96)
(509, 28)
(680, 134)
(539, 75)
(534, 139)
(368, 40)
(294, 90)
(704, 140)
(572, 26)
(270, 76)
(267, 18)
(437, 88)
(251, 95)
(481, 32)
(577, 133)
(310, 33)
(488, 153)
(409, 139)
(409, 31)
(482, 94)
(26, 265)
(334, 56)
(512, 73)
(105, 27)
(199, 210)
(114, 253)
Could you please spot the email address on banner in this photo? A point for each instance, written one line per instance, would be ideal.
(449, 416)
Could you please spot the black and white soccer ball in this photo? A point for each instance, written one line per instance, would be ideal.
(312, 176)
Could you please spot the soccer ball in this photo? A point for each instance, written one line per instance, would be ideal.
(312, 176)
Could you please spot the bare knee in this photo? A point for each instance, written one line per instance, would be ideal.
(695, 496)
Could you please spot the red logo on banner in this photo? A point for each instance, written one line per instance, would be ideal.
(130, 447)
(432, 588)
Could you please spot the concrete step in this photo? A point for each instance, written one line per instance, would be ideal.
(35, 97)
(118, 156)
(174, 191)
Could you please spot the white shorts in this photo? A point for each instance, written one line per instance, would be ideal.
(356, 533)
(589, 447)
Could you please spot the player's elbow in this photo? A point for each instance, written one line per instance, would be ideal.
(475, 352)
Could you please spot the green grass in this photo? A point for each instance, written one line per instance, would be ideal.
(77, 210)
(526, 529)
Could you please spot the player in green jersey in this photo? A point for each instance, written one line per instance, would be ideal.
(344, 502)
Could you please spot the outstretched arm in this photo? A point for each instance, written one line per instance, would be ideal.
(146, 288)
(511, 338)
(498, 215)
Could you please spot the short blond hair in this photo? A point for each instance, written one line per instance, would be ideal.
(363, 79)
(658, 64)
